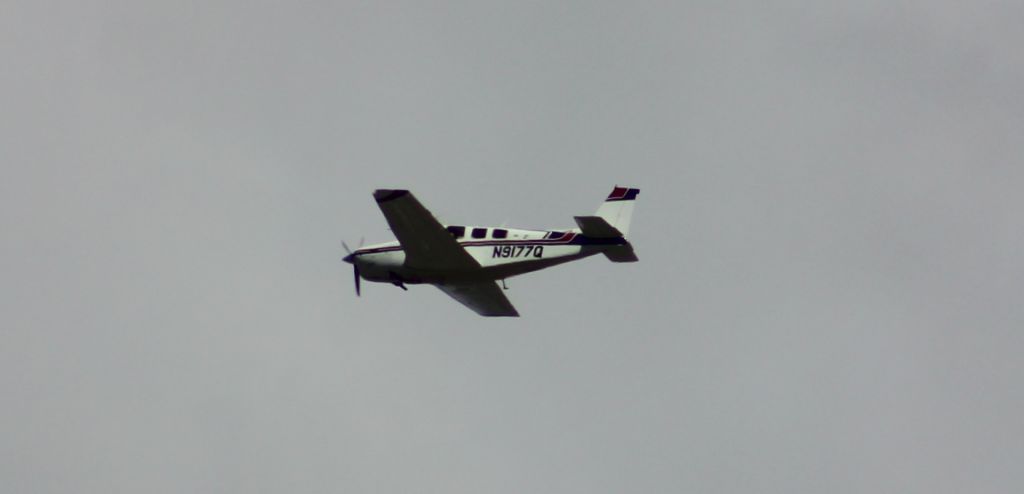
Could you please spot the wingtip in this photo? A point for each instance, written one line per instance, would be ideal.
(384, 195)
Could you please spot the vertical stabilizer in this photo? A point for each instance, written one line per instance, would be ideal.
(617, 209)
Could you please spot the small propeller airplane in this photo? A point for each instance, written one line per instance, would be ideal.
(466, 262)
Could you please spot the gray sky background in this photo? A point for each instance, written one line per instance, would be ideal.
(830, 234)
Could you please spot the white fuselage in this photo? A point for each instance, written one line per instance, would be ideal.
(501, 253)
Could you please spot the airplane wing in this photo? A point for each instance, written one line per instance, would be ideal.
(484, 297)
(425, 241)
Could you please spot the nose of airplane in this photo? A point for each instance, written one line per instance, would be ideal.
(349, 258)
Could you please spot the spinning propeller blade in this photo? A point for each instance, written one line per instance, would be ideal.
(351, 259)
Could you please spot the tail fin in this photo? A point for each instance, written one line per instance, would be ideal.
(612, 222)
(617, 209)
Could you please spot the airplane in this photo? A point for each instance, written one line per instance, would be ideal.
(466, 262)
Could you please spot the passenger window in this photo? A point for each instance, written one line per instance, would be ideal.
(479, 233)
(556, 235)
(499, 233)
(457, 231)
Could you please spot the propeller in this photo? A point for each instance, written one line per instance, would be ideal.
(351, 259)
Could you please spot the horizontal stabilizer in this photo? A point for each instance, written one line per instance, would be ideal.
(597, 227)
(621, 253)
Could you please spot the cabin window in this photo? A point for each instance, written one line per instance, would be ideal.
(457, 231)
(556, 235)
(499, 233)
(479, 233)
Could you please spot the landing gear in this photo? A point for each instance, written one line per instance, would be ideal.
(395, 280)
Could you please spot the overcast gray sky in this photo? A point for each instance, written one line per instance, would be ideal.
(829, 227)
